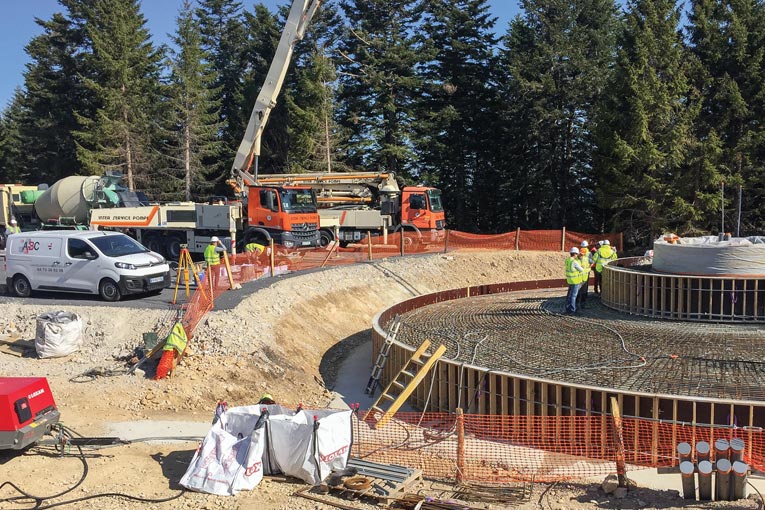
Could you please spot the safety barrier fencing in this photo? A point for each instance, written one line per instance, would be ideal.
(248, 267)
(496, 448)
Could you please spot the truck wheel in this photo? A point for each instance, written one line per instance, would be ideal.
(325, 238)
(174, 247)
(21, 286)
(154, 243)
(108, 290)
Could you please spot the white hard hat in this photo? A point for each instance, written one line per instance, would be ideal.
(584, 244)
(574, 250)
(214, 239)
(607, 242)
(600, 243)
(13, 221)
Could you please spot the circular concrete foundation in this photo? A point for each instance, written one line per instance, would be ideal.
(510, 350)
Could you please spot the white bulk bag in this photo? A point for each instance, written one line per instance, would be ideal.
(299, 455)
(227, 462)
(58, 334)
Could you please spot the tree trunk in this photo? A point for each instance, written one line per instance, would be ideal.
(187, 161)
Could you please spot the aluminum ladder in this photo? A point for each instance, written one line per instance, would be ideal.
(382, 356)
(407, 380)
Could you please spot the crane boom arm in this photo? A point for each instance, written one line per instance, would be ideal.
(300, 15)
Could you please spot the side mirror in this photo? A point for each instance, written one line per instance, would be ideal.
(89, 255)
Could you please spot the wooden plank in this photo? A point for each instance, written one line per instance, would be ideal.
(674, 427)
(492, 393)
(505, 402)
(635, 442)
(655, 431)
(516, 397)
(654, 303)
(672, 289)
(587, 427)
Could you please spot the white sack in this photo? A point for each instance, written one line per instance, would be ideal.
(226, 463)
(293, 448)
(58, 334)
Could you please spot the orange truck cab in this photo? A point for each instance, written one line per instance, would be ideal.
(421, 207)
(287, 213)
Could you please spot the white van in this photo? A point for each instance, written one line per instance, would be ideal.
(106, 263)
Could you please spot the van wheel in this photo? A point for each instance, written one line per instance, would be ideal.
(109, 291)
(21, 286)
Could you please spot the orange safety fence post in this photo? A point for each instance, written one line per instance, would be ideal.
(621, 468)
(460, 446)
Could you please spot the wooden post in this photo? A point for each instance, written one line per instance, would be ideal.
(460, 446)
(517, 238)
(446, 241)
(271, 257)
(563, 239)
(621, 241)
(621, 468)
(334, 246)
(401, 239)
(209, 277)
(337, 239)
(369, 244)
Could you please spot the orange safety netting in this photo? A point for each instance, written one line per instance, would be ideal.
(496, 448)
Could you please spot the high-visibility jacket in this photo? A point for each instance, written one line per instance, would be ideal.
(212, 256)
(177, 339)
(573, 276)
(253, 247)
(604, 255)
(584, 261)
(10, 229)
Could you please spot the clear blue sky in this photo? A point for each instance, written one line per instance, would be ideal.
(17, 27)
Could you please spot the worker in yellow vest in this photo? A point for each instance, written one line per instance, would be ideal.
(12, 228)
(574, 272)
(584, 261)
(603, 256)
(212, 258)
(253, 251)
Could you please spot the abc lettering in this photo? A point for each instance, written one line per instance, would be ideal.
(30, 246)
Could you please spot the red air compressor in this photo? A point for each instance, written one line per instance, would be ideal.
(27, 411)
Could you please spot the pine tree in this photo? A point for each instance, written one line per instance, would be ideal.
(456, 111)
(311, 97)
(125, 82)
(263, 33)
(728, 38)
(645, 128)
(556, 59)
(379, 82)
(55, 93)
(13, 160)
(224, 40)
(194, 125)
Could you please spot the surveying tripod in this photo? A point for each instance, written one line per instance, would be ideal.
(184, 263)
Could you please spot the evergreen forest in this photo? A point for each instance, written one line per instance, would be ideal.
(642, 116)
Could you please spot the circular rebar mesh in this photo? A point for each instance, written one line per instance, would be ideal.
(527, 334)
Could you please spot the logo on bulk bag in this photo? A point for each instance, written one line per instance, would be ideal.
(253, 469)
(332, 456)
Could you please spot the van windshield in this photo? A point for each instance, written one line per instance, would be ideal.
(117, 246)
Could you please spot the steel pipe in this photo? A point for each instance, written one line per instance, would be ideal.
(736, 449)
(683, 452)
(722, 486)
(705, 480)
(689, 486)
(722, 449)
(740, 470)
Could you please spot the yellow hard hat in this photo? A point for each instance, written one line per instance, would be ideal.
(266, 396)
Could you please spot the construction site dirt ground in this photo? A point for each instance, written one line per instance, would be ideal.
(290, 339)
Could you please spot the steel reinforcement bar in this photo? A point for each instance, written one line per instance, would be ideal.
(630, 285)
(453, 383)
